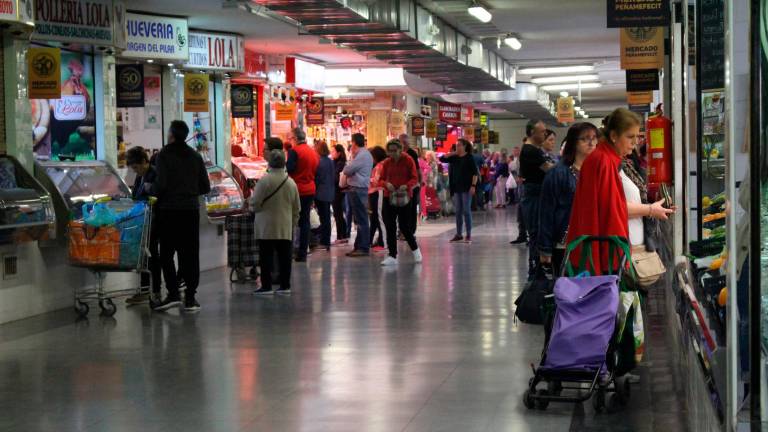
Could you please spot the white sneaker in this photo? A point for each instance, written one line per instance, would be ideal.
(389, 261)
(417, 257)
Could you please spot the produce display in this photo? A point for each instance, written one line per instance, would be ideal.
(225, 197)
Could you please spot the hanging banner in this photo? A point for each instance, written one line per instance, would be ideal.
(467, 114)
(44, 66)
(215, 52)
(426, 111)
(129, 79)
(484, 136)
(195, 92)
(431, 131)
(448, 112)
(87, 22)
(397, 124)
(417, 126)
(565, 111)
(483, 119)
(640, 108)
(284, 112)
(468, 133)
(156, 37)
(442, 132)
(242, 100)
(316, 111)
(637, 98)
(636, 13)
(642, 48)
(642, 80)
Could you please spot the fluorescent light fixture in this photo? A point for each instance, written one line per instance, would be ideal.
(513, 42)
(480, 13)
(585, 115)
(150, 61)
(170, 64)
(556, 70)
(565, 79)
(571, 86)
(365, 77)
(563, 94)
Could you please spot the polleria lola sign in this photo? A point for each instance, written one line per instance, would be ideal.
(74, 21)
(212, 51)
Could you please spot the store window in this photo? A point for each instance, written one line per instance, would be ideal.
(142, 126)
(65, 128)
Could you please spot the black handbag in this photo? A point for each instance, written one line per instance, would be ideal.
(530, 303)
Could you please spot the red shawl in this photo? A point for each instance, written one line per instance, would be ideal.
(599, 206)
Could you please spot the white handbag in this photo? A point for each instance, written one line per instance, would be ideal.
(511, 183)
(314, 218)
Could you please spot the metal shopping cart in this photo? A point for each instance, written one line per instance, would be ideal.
(112, 236)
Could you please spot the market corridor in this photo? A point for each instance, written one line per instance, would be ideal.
(356, 348)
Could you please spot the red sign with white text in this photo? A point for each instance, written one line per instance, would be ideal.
(448, 112)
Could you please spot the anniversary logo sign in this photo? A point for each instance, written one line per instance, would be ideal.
(642, 48)
(316, 111)
(242, 100)
(637, 13)
(130, 85)
(44, 66)
(195, 92)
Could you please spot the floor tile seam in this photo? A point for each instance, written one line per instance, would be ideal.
(431, 396)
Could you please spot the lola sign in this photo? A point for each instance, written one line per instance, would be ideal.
(211, 51)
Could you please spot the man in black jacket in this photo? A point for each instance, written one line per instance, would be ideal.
(181, 179)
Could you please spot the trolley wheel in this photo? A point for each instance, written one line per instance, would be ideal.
(598, 400)
(542, 403)
(623, 391)
(81, 308)
(108, 307)
(528, 400)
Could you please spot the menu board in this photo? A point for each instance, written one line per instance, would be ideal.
(712, 44)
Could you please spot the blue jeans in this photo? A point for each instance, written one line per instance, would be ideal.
(324, 211)
(462, 203)
(358, 203)
(304, 225)
(348, 215)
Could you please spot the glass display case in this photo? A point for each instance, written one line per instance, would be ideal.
(76, 183)
(225, 198)
(26, 209)
(247, 171)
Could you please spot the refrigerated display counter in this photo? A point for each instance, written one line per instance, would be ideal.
(26, 209)
(225, 198)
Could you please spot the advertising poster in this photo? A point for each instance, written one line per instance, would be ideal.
(638, 13)
(442, 131)
(284, 112)
(156, 37)
(195, 92)
(152, 90)
(242, 100)
(129, 79)
(397, 124)
(565, 111)
(431, 131)
(44, 66)
(87, 22)
(417, 126)
(642, 48)
(316, 111)
(467, 114)
(66, 126)
(642, 80)
(426, 111)
(638, 98)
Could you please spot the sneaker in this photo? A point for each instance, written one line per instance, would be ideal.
(284, 291)
(358, 253)
(264, 291)
(166, 304)
(519, 240)
(417, 257)
(389, 261)
(137, 299)
(468, 239)
(457, 238)
(191, 304)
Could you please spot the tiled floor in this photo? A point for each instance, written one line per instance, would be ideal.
(356, 347)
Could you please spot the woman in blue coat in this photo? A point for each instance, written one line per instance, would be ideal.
(325, 192)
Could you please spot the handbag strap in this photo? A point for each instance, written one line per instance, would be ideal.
(264, 201)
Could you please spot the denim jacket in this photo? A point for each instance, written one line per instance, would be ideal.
(556, 200)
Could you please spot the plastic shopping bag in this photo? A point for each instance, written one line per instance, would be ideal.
(511, 183)
(93, 246)
(629, 300)
(100, 214)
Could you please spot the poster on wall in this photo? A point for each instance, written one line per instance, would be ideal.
(44, 66)
(565, 110)
(152, 90)
(156, 37)
(87, 22)
(397, 124)
(129, 79)
(242, 100)
(195, 92)
(417, 126)
(67, 125)
(316, 111)
(642, 48)
(635, 13)
(431, 131)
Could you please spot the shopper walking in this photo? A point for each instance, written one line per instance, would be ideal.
(302, 167)
(534, 164)
(557, 193)
(376, 200)
(414, 205)
(501, 174)
(339, 157)
(181, 179)
(463, 178)
(325, 192)
(277, 208)
(358, 173)
(399, 178)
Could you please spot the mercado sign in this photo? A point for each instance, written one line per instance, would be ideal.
(129, 79)
(215, 52)
(565, 110)
(417, 126)
(636, 13)
(156, 37)
(44, 69)
(195, 92)
(74, 21)
(316, 111)
(431, 131)
(242, 100)
(642, 48)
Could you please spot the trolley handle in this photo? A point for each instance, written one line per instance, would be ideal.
(619, 245)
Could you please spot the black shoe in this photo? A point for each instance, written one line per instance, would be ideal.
(263, 291)
(519, 240)
(300, 259)
(191, 304)
(457, 238)
(283, 291)
(166, 304)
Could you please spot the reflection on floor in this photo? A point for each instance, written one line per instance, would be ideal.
(356, 348)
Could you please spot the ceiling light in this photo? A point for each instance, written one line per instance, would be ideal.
(513, 42)
(150, 61)
(565, 79)
(571, 86)
(170, 64)
(480, 13)
(563, 94)
(556, 70)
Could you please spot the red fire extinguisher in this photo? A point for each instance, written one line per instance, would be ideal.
(659, 141)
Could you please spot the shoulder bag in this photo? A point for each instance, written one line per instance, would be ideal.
(280, 186)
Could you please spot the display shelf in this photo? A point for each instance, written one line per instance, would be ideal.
(225, 198)
(26, 209)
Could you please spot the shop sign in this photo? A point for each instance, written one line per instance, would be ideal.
(483, 119)
(468, 133)
(44, 69)
(74, 21)
(129, 79)
(642, 80)
(431, 131)
(241, 96)
(417, 126)
(315, 111)
(16, 11)
(215, 52)
(397, 124)
(70, 107)
(640, 108)
(484, 136)
(635, 13)
(305, 75)
(255, 64)
(156, 37)
(642, 48)
(448, 112)
(442, 132)
(565, 111)
(637, 98)
(195, 92)
(493, 137)
(467, 114)
(426, 111)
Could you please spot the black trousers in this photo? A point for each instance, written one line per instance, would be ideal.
(268, 249)
(304, 225)
(324, 212)
(180, 235)
(414, 206)
(338, 216)
(392, 215)
(155, 267)
(376, 224)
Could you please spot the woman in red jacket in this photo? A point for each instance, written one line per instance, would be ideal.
(398, 178)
